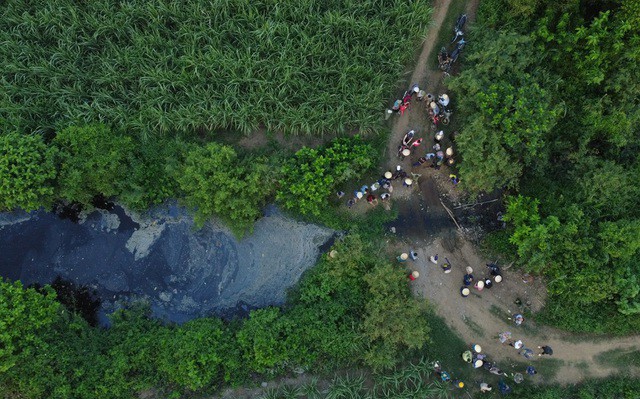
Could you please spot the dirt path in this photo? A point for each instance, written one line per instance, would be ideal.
(483, 315)
(415, 117)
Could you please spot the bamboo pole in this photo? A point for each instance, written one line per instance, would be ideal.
(450, 214)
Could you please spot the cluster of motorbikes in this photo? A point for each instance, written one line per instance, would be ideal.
(446, 59)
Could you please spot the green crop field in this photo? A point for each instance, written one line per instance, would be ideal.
(155, 67)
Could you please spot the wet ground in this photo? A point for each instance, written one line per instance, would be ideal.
(159, 257)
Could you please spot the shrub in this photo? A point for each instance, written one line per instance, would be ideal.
(27, 172)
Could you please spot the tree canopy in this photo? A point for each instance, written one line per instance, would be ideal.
(550, 95)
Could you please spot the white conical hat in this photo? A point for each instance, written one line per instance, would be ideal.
(406, 152)
(480, 284)
(477, 348)
(433, 105)
(444, 97)
(415, 274)
(498, 279)
(388, 175)
(478, 364)
(449, 151)
(465, 291)
(408, 181)
(404, 256)
(469, 270)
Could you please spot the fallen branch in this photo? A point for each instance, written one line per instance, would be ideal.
(451, 214)
(474, 204)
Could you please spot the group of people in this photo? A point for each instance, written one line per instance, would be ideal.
(446, 377)
(413, 255)
(439, 111)
(437, 156)
(382, 184)
(505, 337)
(401, 105)
(477, 359)
(480, 284)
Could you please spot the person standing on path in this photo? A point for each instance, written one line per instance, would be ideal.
(446, 266)
(467, 279)
(518, 344)
(403, 257)
(484, 387)
(504, 337)
(518, 319)
(546, 350)
(527, 353)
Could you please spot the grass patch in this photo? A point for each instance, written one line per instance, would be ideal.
(499, 312)
(547, 368)
(620, 358)
(475, 327)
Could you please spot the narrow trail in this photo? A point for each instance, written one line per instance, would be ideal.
(483, 315)
(416, 116)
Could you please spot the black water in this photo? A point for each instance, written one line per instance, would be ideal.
(181, 272)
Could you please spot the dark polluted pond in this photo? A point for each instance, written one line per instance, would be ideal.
(159, 257)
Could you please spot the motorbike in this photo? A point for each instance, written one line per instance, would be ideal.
(457, 29)
(456, 52)
(408, 138)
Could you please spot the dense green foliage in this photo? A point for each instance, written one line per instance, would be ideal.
(27, 172)
(620, 388)
(311, 66)
(418, 381)
(313, 174)
(92, 161)
(354, 309)
(551, 94)
(216, 182)
(83, 162)
(25, 316)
